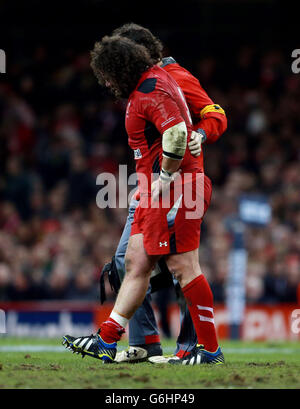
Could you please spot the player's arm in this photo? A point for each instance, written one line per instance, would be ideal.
(209, 118)
(212, 124)
(174, 142)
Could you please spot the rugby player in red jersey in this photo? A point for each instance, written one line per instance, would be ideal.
(159, 126)
(210, 121)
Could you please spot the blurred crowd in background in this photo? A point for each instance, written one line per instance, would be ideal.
(59, 130)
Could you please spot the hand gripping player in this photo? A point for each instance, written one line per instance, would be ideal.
(154, 99)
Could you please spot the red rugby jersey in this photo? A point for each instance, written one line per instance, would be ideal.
(156, 104)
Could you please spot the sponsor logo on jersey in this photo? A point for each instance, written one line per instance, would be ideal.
(137, 153)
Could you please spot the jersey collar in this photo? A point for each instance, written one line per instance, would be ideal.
(167, 61)
(142, 78)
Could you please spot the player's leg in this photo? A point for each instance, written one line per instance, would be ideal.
(132, 292)
(144, 340)
(199, 298)
(134, 287)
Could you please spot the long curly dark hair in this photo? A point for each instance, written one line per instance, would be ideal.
(142, 35)
(119, 63)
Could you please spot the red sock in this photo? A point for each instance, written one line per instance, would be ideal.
(111, 331)
(199, 299)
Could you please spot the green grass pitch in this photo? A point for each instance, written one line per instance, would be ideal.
(44, 363)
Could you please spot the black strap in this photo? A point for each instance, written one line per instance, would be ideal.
(113, 277)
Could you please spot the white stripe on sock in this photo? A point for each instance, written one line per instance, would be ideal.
(203, 318)
(201, 307)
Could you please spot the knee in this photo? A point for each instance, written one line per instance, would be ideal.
(129, 262)
(133, 268)
(183, 269)
(177, 268)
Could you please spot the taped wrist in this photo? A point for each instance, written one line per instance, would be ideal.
(165, 176)
(174, 141)
(203, 134)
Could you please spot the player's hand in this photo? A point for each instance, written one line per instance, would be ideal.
(195, 144)
(161, 186)
(156, 189)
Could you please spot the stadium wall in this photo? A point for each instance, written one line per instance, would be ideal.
(278, 322)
